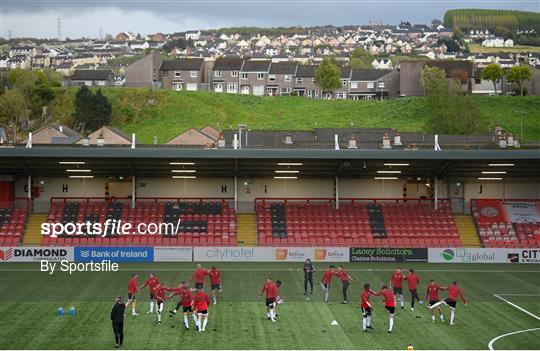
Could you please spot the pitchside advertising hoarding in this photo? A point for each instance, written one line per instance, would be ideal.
(374, 254)
(114, 254)
(173, 254)
(270, 254)
(35, 254)
(483, 255)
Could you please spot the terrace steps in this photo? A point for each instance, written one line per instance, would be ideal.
(246, 229)
(32, 236)
(467, 231)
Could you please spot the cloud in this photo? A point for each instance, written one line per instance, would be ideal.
(38, 17)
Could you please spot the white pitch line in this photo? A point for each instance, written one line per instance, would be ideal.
(516, 306)
(490, 345)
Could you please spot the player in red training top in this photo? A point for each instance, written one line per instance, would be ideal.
(454, 292)
(396, 281)
(412, 282)
(432, 295)
(159, 294)
(366, 307)
(326, 280)
(186, 297)
(198, 276)
(346, 280)
(215, 282)
(152, 282)
(272, 293)
(200, 307)
(132, 292)
(389, 304)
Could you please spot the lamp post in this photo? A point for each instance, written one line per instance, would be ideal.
(240, 128)
(381, 87)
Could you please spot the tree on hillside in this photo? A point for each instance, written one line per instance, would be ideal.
(461, 77)
(92, 111)
(433, 80)
(361, 59)
(494, 73)
(519, 75)
(327, 76)
(36, 86)
(13, 110)
(436, 22)
(447, 111)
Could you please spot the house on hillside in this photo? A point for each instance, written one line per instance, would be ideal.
(193, 137)
(253, 77)
(184, 74)
(91, 78)
(281, 78)
(106, 136)
(226, 74)
(144, 72)
(53, 134)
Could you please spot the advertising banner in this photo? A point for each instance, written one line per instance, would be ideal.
(293, 254)
(173, 254)
(483, 255)
(35, 254)
(270, 254)
(498, 211)
(331, 254)
(233, 254)
(370, 254)
(114, 254)
(522, 211)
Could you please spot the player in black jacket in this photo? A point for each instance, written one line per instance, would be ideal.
(308, 276)
(117, 318)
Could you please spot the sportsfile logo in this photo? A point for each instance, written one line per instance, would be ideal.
(5, 255)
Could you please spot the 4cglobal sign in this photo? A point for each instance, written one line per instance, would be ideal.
(369, 254)
(483, 255)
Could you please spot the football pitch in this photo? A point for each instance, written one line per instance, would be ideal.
(503, 299)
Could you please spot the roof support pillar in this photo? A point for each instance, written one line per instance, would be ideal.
(236, 193)
(29, 195)
(436, 194)
(133, 191)
(336, 191)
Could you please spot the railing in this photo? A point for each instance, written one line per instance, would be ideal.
(351, 200)
(18, 202)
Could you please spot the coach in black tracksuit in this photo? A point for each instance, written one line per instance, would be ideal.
(308, 275)
(117, 318)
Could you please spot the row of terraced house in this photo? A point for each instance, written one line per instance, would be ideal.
(235, 75)
(257, 77)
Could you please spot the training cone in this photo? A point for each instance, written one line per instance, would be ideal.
(334, 322)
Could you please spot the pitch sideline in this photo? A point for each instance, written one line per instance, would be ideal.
(490, 345)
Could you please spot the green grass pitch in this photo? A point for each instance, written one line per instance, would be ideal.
(29, 299)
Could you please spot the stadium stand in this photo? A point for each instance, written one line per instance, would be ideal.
(203, 221)
(12, 225)
(366, 222)
(497, 230)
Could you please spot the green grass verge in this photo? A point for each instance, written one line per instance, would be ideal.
(478, 48)
(166, 113)
(28, 302)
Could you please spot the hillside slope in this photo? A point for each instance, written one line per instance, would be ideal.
(166, 113)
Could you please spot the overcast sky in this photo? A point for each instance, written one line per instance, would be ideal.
(38, 18)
